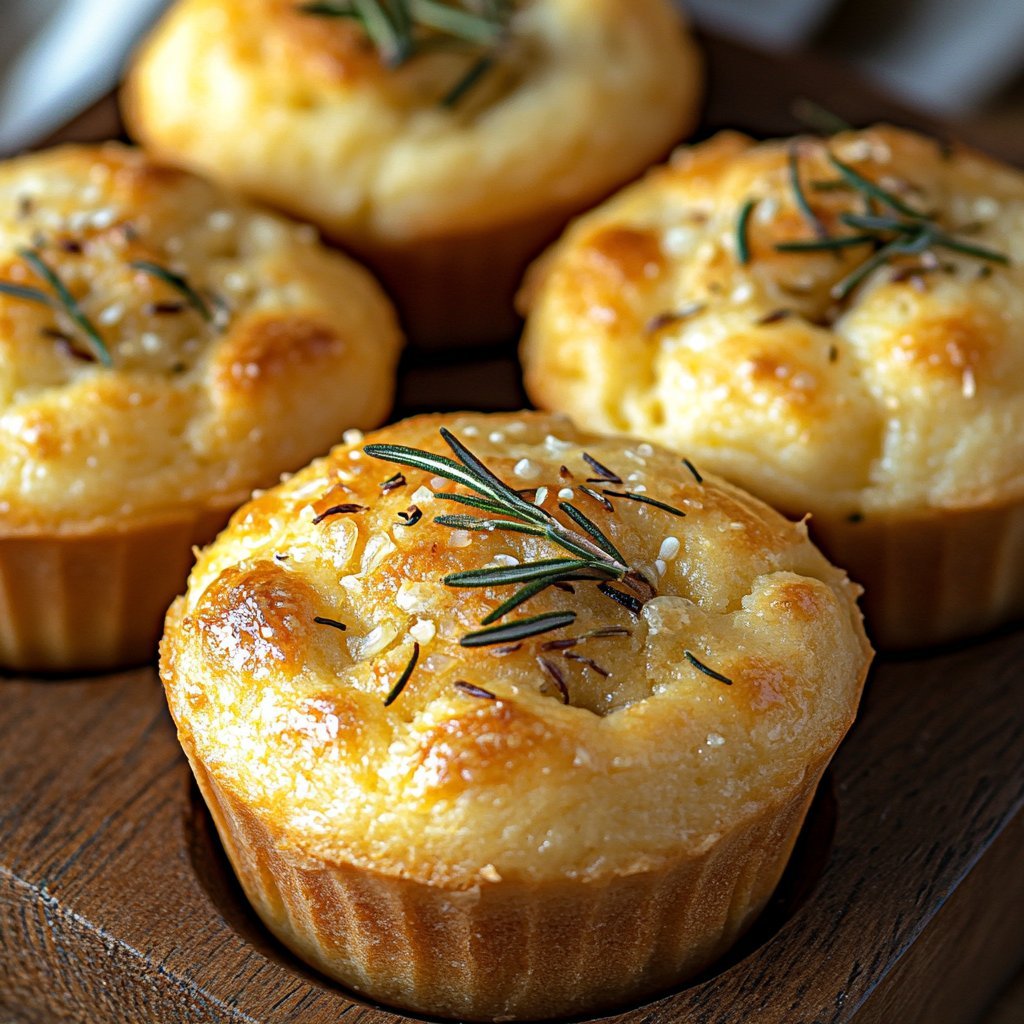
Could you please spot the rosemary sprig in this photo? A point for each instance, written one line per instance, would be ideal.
(936, 236)
(403, 29)
(902, 231)
(595, 557)
(63, 299)
(178, 283)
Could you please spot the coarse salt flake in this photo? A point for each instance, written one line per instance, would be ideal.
(220, 220)
(111, 315)
(422, 630)
(669, 548)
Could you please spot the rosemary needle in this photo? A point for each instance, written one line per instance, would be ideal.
(403, 29)
(520, 629)
(472, 690)
(404, 677)
(742, 229)
(66, 301)
(801, 199)
(20, 291)
(701, 667)
(645, 500)
(178, 283)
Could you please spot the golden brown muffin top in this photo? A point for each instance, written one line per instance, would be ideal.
(607, 743)
(823, 374)
(576, 96)
(163, 344)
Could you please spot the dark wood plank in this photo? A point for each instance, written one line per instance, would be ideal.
(115, 903)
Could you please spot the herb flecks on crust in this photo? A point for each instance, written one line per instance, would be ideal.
(59, 298)
(589, 553)
(883, 224)
(403, 29)
(593, 555)
(179, 283)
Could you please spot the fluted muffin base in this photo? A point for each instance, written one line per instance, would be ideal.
(94, 596)
(933, 577)
(511, 949)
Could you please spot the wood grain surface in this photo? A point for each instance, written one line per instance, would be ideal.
(904, 903)
(116, 905)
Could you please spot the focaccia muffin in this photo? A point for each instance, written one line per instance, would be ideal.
(526, 734)
(836, 325)
(446, 151)
(164, 348)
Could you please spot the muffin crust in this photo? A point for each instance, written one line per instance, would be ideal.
(453, 789)
(901, 396)
(583, 95)
(279, 348)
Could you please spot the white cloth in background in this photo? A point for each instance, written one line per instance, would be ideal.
(57, 57)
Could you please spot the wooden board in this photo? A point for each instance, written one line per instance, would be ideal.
(904, 903)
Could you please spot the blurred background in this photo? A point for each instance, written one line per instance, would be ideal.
(959, 61)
